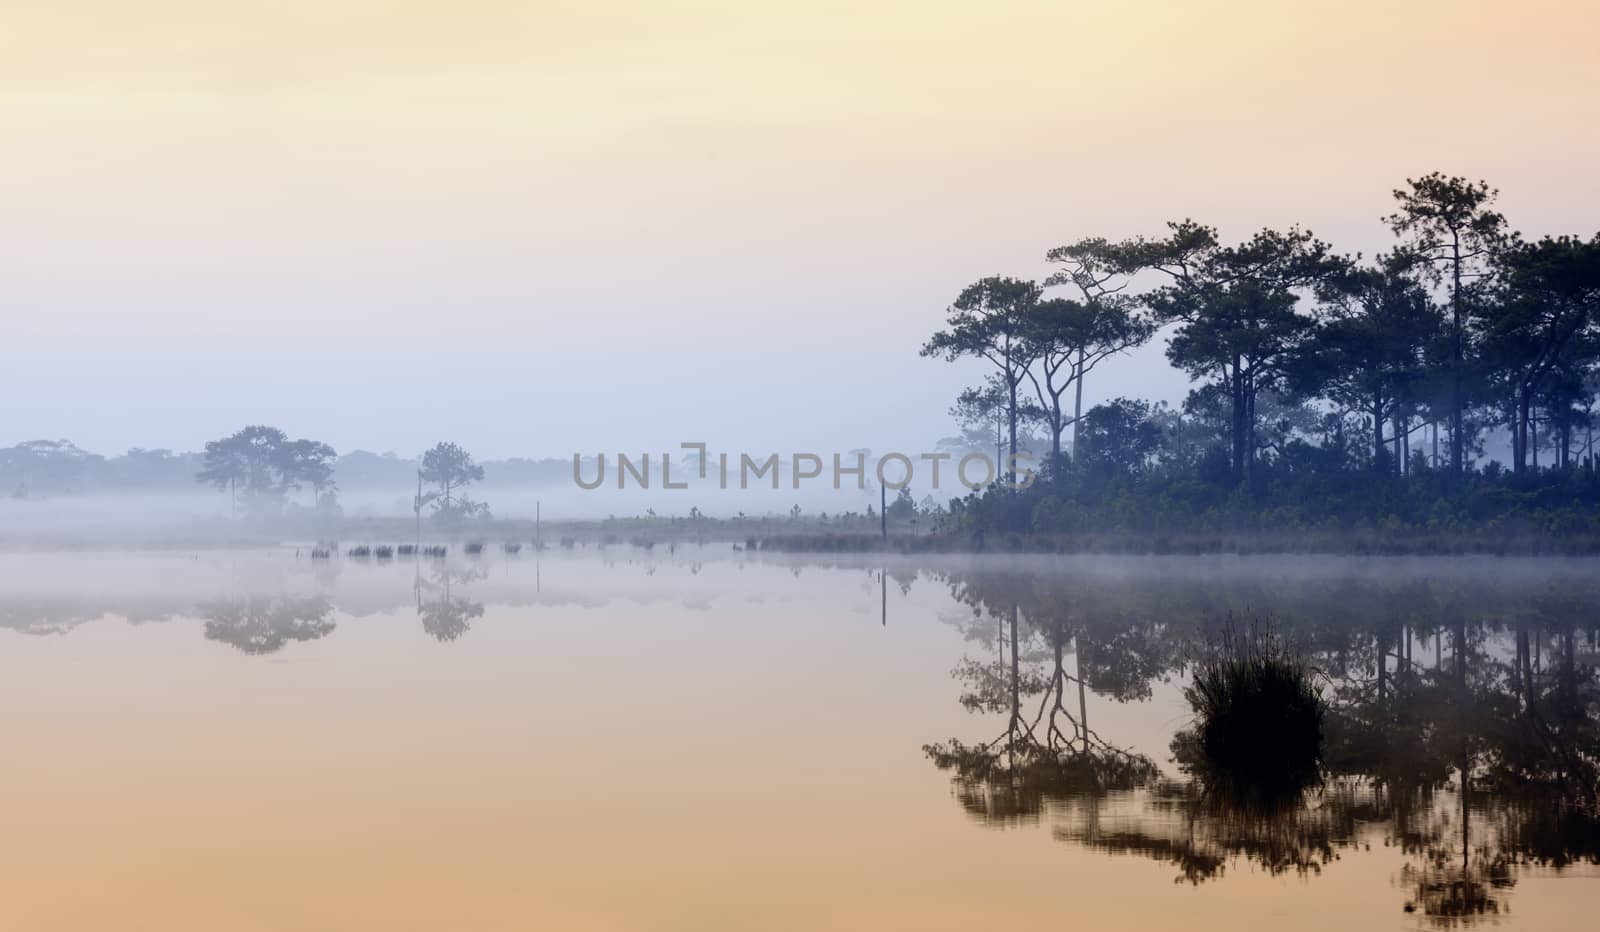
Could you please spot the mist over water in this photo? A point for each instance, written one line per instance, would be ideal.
(406, 725)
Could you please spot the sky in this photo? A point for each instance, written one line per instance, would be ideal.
(543, 228)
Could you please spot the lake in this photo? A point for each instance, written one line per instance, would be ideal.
(700, 738)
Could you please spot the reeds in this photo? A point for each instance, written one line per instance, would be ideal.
(383, 552)
(436, 551)
(407, 550)
(321, 553)
(359, 552)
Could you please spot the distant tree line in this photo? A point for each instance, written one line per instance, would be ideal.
(1374, 384)
(45, 468)
(262, 466)
(57, 467)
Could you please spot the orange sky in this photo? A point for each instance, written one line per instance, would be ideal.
(637, 184)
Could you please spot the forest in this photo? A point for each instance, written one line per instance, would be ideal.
(1448, 383)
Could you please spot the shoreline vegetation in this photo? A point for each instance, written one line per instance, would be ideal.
(787, 536)
(1337, 401)
(1339, 404)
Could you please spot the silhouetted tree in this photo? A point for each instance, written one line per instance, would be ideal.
(1447, 226)
(266, 464)
(1550, 300)
(990, 320)
(1073, 336)
(450, 468)
(1368, 354)
(978, 408)
(1236, 307)
(309, 463)
(1119, 438)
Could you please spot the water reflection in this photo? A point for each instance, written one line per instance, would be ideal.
(261, 624)
(1461, 731)
(1484, 761)
(446, 616)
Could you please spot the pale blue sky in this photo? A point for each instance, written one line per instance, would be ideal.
(543, 229)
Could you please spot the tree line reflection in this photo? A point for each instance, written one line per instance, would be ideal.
(264, 624)
(256, 622)
(1462, 723)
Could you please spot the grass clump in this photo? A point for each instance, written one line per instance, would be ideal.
(1257, 738)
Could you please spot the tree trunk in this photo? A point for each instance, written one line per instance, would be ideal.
(1016, 673)
(999, 446)
(1533, 438)
(1238, 420)
(1383, 668)
(1250, 426)
(1077, 405)
(1083, 706)
(1056, 430)
(1522, 672)
(1010, 470)
(1569, 663)
(1457, 399)
(1519, 434)
(1377, 434)
(1399, 449)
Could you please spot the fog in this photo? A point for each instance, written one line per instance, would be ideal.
(538, 232)
(96, 519)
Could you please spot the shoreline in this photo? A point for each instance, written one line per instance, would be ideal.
(782, 536)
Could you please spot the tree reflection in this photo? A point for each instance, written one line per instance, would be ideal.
(263, 624)
(446, 616)
(1045, 751)
(1474, 765)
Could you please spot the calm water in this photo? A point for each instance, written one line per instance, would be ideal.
(691, 740)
